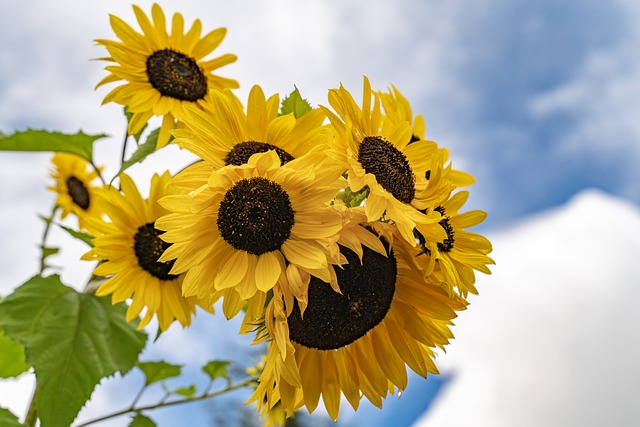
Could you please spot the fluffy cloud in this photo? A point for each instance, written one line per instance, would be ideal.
(552, 338)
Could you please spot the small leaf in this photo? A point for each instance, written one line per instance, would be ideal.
(157, 371)
(294, 103)
(12, 361)
(47, 252)
(43, 140)
(141, 421)
(80, 235)
(216, 369)
(186, 391)
(71, 339)
(7, 419)
(143, 151)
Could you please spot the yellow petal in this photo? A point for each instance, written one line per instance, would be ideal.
(268, 270)
(233, 271)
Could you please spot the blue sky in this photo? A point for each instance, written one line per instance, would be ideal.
(538, 100)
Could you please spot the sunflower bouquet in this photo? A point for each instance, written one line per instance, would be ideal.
(336, 233)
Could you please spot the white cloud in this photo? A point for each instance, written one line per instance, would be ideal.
(552, 338)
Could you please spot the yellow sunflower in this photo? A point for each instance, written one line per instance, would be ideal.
(74, 179)
(453, 261)
(358, 342)
(398, 109)
(163, 71)
(375, 152)
(251, 224)
(130, 247)
(222, 133)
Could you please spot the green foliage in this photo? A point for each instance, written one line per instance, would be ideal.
(353, 199)
(7, 419)
(294, 103)
(158, 371)
(143, 151)
(141, 421)
(217, 369)
(46, 253)
(80, 235)
(187, 392)
(43, 140)
(71, 339)
(12, 361)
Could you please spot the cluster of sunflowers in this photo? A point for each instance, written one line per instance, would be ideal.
(336, 231)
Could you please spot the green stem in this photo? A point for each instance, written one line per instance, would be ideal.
(97, 169)
(124, 148)
(138, 396)
(48, 221)
(203, 396)
(32, 412)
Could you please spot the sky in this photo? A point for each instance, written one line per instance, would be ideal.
(538, 100)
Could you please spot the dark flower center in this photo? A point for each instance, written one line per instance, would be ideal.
(447, 244)
(240, 153)
(334, 320)
(390, 167)
(78, 192)
(176, 75)
(148, 247)
(255, 216)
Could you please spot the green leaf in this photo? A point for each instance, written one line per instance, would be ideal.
(47, 252)
(158, 371)
(71, 339)
(216, 369)
(294, 103)
(143, 151)
(141, 421)
(12, 361)
(7, 419)
(43, 140)
(80, 235)
(186, 391)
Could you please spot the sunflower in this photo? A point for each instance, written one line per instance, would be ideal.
(76, 193)
(358, 342)
(452, 261)
(251, 224)
(375, 152)
(163, 72)
(398, 109)
(130, 247)
(222, 133)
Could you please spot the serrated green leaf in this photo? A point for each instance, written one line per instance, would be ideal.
(158, 371)
(294, 103)
(141, 421)
(143, 151)
(43, 140)
(12, 361)
(186, 391)
(80, 235)
(71, 339)
(216, 369)
(7, 419)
